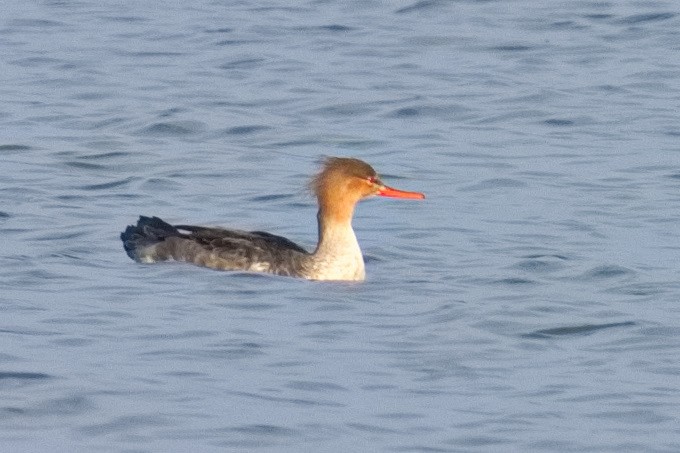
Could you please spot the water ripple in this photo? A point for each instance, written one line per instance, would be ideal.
(108, 185)
(493, 184)
(291, 401)
(580, 330)
(173, 129)
(124, 424)
(419, 6)
(23, 376)
(607, 272)
(648, 17)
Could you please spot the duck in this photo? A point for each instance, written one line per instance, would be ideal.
(340, 184)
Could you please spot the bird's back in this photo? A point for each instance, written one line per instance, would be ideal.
(153, 240)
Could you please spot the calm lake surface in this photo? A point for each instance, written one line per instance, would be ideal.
(530, 303)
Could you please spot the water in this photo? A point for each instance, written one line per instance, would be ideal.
(529, 303)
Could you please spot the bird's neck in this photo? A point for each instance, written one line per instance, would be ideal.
(338, 255)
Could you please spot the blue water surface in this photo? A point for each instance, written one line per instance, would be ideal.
(530, 303)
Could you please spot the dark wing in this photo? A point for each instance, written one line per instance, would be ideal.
(280, 241)
(219, 237)
(237, 249)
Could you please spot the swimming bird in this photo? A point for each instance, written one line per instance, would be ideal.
(338, 187)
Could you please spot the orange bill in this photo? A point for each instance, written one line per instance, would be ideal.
(396, 193)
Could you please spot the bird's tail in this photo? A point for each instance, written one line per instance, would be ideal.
(148, 232)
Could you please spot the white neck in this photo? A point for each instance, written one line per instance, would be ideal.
(337, 255)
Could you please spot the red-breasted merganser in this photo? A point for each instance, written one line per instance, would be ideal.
(341, 183)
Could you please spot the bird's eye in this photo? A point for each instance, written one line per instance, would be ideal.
(372, 179)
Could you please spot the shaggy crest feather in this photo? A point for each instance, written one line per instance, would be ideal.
(338, 169)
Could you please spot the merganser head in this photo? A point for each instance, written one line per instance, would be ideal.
(345, 181)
